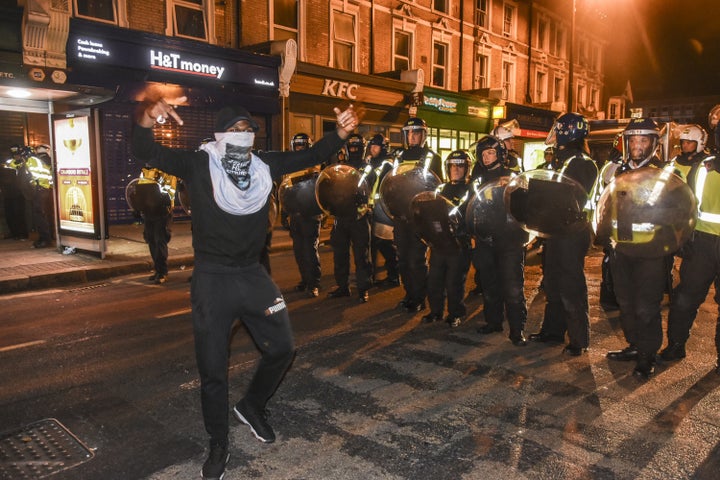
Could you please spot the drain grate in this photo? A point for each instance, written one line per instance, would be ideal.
(40, 449)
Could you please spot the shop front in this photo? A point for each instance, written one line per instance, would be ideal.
(109, 70)
(314, 91)
(455, 120)
(531, 126)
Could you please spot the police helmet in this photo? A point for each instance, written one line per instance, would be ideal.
(27, 151)
(301, 141)
(491, 143)
(414, 123)
(695, 133)
(641, 127)
(568, 128)
(549, 151)
(15, 149)
(42, 149)
(457, 157)
(380, 140)
(355, 144)
(714, 116)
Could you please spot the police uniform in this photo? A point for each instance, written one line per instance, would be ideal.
(355, 231)
(412, 252)
(700, 265)
(157, 229)
(499, 259)
(40, 192)
(566, 309)
(382, 227)
(448, 268)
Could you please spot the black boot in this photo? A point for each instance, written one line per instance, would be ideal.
(645, 367)
(625, 355)
(517, 338)
(674, 351)
(490, 328)
(339, 292)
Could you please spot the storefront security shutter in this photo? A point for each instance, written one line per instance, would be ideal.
(119, 166)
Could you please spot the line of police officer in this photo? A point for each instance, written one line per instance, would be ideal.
(639, 273)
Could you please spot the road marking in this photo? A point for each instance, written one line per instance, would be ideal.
(22, 345)
(174, 313)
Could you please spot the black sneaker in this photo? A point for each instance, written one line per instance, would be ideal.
(256, 420)
(214, 466)
(339, 292)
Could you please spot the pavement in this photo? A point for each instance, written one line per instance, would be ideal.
(25, 268)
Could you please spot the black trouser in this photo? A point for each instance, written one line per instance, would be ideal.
(389, 252)
(41, 213)
(501, 269)
(15, 215)
(355, 232)
(305, 234)
(157, 234)
(446, 277)
(412, 262)
(565, 287)
(219, 295)
(639, 289)
(607, 287)
(700, 267)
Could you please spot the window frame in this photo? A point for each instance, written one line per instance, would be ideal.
(509, 27)
(207, 7)
(411, 39)
(484, 13)
(541, 83)
(273, 26)
(444, 11)
(338, 8)
(481, 75)
(508, 79)
(119, 12)
(434, 65)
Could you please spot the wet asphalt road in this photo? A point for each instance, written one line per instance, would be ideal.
(373, 393)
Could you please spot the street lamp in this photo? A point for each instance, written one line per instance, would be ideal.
(571, 71)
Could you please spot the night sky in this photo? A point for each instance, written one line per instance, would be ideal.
(666, 48)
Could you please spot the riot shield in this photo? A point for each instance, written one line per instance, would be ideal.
(342, 191)
(488, 219)
(647, 213)
(436, 220)
(546, 203)
(400, 186)
(147, 197)
(297, 194)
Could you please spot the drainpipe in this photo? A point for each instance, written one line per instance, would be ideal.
(528, 96)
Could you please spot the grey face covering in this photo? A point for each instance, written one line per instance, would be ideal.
(237, 156)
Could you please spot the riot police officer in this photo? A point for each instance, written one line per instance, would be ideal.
(37, 179)
(499, 259)
(514, 161)
(693, 139)
(13, 199)
(549, 159)
(701, 264)
(566, 309)
(412, 252)
(353, 231)
(448, 268)
(639, 282)
(380, 160)
(305, 234)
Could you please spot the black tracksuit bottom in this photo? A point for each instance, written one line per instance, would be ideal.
(700, 267)
(221, 294)
(412, 262)
(566, 289)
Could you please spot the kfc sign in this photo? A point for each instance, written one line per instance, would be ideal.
(335, 88)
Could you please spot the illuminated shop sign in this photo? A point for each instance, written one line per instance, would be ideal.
(441, 104)
(85, 49)
(336, 88)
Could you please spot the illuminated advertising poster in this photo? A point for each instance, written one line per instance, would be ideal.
(74, 170)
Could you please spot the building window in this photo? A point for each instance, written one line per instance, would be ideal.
(508, 74)
(580, 100)
(509, 20)
(558, 90)
(542, 35)
(401, 59)
(191, 19)
(343, 41)
(480, 79)
(106, 11)
(439, 64)
(441, 5)
(481, 13)
(540, 86)
(285, 20)
(558, 43)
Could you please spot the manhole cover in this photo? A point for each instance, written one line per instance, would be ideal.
(40, 449)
